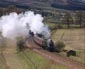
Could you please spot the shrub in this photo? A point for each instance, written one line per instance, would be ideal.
(59, 46)
(71, 53)
(59, 26)
(20, 43)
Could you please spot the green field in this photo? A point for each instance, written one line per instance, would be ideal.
(11, 59)
(74, 40)
(35, 61)
(3, 64)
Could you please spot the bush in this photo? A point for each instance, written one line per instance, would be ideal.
(20, 43)
(71, 53)
(59, 46)
(59, 26)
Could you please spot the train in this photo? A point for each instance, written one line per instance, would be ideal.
(45, 43)
(48, 44)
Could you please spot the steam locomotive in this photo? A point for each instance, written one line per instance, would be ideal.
(45, 43)
(48, 44)
(40, 40)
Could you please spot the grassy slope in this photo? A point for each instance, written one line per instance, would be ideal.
(39, 61)
(10, 58)
(73, 38)
(3, 64)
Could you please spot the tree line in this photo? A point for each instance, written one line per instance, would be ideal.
(9, 9)
(77, 18)
(68, 18)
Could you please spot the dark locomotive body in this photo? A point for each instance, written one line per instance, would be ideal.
(44, 43)
(47, 44)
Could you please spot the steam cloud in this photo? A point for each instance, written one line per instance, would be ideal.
(14, 24)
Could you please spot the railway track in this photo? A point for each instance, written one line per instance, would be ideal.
(55, 57)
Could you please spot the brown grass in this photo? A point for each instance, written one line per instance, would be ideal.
(73, 38)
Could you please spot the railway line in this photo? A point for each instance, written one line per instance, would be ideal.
(71, 64)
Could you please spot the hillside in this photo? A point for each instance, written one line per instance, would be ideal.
(34, 4)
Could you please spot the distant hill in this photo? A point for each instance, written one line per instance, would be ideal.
(60, 4)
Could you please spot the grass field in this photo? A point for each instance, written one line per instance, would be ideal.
(35, 61)
(11, 59)
(3, 64)
(74, 39)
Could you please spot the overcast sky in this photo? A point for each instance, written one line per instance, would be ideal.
(83, 0)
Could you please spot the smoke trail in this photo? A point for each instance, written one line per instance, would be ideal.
(14, 24)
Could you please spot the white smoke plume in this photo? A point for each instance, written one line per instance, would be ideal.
(14, 24)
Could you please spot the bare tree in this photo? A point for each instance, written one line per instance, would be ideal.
(67, 19)
(1, 11)
(79, 18)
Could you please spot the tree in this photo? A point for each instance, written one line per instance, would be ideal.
(67, 16)
(67, 19)
(20, 43)
(59, 46)
(12, 8)
(1, 12)
(79, 18)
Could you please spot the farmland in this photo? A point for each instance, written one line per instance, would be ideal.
(28, 59)
(11, 59)
(65, 26)
(74, 39)
(35, 61)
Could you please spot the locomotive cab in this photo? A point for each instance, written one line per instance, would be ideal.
(50, 45)
(39, 35)
(31, 33)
